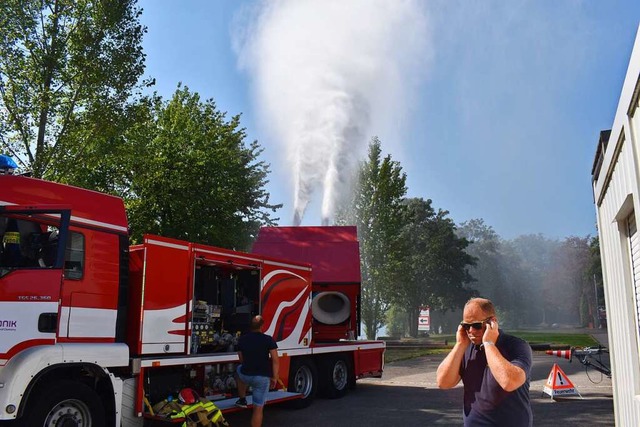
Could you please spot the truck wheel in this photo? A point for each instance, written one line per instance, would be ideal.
(336, 373)
(303, 379)
(66, 403)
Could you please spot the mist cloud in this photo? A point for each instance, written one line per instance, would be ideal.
(327, 76)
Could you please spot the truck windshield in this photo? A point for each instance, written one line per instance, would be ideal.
(27, 242)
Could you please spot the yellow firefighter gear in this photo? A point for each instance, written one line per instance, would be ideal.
(203, 413)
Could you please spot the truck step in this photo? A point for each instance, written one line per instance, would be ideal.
(228, 405)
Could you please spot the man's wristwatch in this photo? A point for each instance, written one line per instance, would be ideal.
(488, 343)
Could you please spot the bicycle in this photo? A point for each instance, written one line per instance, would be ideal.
(588, 356)
(592, 357)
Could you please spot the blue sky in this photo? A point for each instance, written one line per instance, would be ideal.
(492, 108)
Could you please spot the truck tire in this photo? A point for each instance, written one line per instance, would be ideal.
(65, 403)
(336, 373)
(303, 379)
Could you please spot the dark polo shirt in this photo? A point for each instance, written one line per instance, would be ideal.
(485, 402)
(255, 348)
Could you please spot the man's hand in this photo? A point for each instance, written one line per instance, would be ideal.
(274, 383)
(448, 373)
(491, 332)
(506, 374)
(462, 337)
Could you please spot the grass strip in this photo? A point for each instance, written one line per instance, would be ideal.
(551, 338)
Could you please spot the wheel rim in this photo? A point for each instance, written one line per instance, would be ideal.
(303, 381)
(69, 413)
(340, 375)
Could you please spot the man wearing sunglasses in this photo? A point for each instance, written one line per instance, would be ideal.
(494, 368)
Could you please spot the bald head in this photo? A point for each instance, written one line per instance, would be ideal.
(256, 323)
(483, 304)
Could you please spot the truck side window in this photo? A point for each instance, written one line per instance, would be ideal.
(48, 248)
(11, 244)
(22, 242)
(74, 256)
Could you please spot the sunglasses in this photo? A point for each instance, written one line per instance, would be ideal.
(475, 325)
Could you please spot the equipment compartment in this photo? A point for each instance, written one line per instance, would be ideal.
(224, 300)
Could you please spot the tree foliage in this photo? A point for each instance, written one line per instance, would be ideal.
(516, 295)
(70, 110)
(567, 283)
(485, 246)
(67, 68)
(534, 280)
(535, 253)
(594, 274)
(435, 266)
(498, 272)
(376, 208)
(193, 176)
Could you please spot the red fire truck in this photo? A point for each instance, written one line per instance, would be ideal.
(94, 332)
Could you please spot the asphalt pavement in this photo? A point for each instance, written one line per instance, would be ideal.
(407, 395)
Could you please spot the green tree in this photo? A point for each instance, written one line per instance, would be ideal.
(397, 321)
(193, 176)
(376, 209)
(535, 254)
(510, 272)
(106, 162)
(594, 274)
(435, 267)
(485, 246)
(568, 286)
(67, 68)
(515, 295)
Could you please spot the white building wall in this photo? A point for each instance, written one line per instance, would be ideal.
(617, 195)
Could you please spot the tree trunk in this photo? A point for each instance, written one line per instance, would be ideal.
(40, 164)
(412, 317)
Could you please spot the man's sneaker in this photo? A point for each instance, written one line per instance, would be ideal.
(241, 403)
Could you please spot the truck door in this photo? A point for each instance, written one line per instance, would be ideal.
(92, 263)
(166, 303)
(31, 255)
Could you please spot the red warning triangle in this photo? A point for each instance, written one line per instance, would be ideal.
(558, 384)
